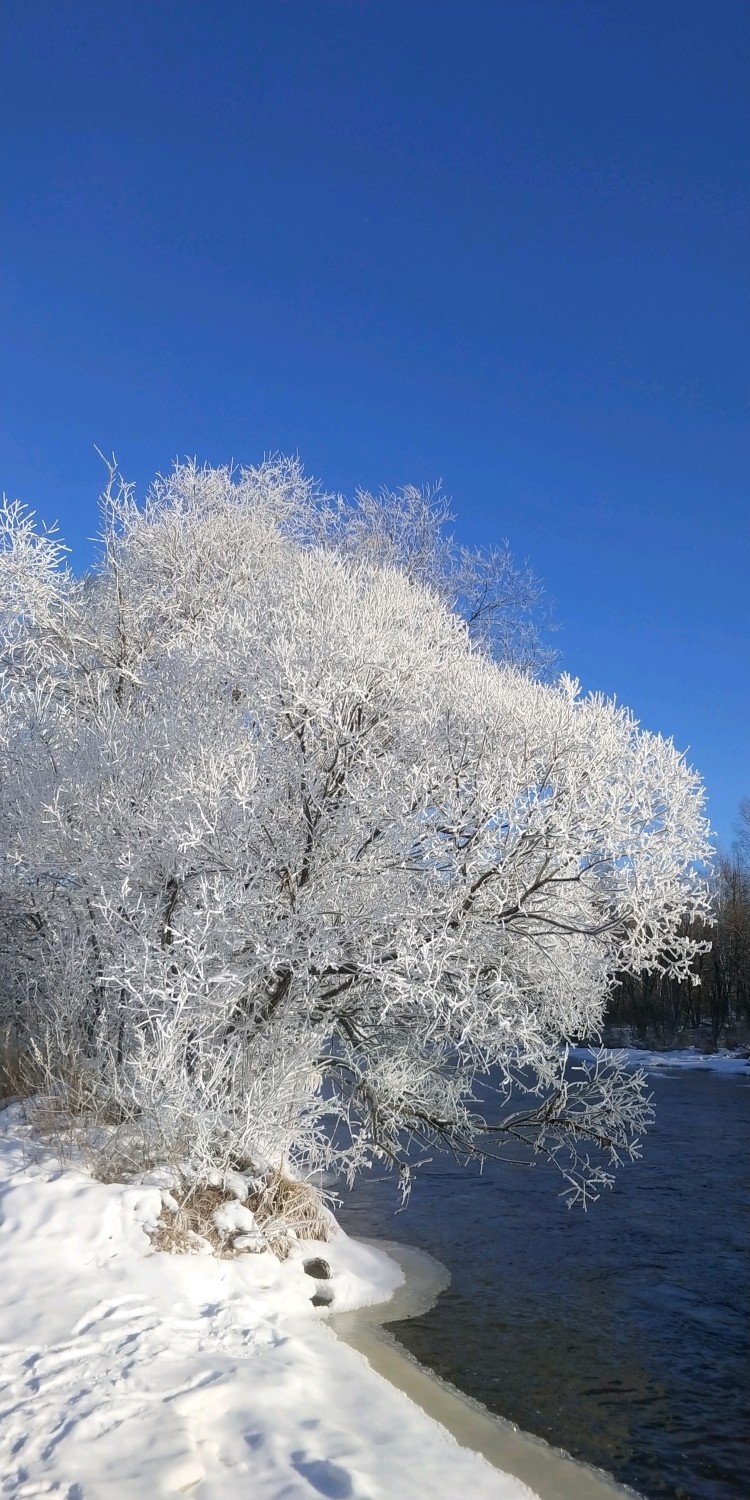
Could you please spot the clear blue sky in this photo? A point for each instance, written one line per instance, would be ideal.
(500, 242)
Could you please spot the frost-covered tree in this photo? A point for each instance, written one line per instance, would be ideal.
(408, 530)
(292, 864)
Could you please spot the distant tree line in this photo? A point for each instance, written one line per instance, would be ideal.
(658, 1008)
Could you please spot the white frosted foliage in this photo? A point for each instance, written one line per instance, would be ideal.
(291, 861)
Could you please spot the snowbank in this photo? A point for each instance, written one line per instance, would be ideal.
(690, 1057)
(128, 1374)
(682, 1057)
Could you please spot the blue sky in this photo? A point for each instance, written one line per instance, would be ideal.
(499, 242)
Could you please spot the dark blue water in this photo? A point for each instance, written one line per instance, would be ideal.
(621, 1335)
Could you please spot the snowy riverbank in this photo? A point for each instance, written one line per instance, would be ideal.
(128, 1373)
(722, 1061)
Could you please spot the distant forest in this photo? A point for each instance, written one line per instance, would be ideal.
(716, 1011)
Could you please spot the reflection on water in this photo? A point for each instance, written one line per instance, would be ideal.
(622, 1334)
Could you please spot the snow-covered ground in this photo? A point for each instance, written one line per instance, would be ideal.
(690, 1057)
(682, 1057)
(129, 1374)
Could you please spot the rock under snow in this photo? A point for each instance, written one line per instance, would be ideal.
(318, 1268)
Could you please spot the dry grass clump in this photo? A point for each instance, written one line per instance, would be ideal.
(69, 1113)
(285, 1211)
(111, 1150)
(115, 1153)
(50, 1111)
(285, 1205)
(190, 1227)
(71, 1116)
(20, 1072)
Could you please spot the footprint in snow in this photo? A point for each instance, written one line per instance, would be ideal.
(326, 1477)
(108, 1310)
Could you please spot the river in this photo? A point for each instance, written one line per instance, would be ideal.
(622, 1334)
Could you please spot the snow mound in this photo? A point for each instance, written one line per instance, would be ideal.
(234, 1218)
(682, 1057)
(233, 1182)
(690, 1057)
